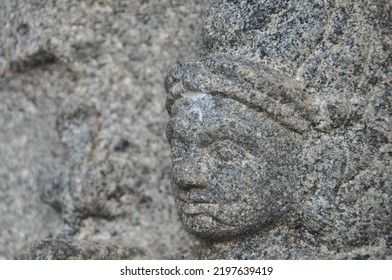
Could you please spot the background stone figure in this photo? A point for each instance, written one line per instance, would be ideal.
(84, 164)
(281, 131)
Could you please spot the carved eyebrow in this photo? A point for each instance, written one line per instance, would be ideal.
(238, 139)
(237, 136)
(242, 144)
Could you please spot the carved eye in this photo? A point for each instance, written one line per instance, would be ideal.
(228, 151)
(178, 149)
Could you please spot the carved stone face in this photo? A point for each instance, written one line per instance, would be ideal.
(232, 168)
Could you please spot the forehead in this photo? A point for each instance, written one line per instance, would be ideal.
(200, 117)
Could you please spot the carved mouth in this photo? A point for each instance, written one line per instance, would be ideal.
(196, 205)
(187, 199)
(197, 208)
(202, 210)
(190, 198)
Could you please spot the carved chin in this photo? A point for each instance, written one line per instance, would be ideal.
(207, 225)
(202, 220)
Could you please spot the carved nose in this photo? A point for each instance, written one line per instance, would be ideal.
(190, 174)
(174, 86)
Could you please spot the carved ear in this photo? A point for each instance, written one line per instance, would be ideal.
(330, 161)
(325, 160)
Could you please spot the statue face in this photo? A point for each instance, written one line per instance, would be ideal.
(232, 168)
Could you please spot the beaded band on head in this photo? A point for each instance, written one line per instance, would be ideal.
(260, 90)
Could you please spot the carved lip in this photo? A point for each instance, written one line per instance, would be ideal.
(195, 201)
(203, 209)
(198, 208)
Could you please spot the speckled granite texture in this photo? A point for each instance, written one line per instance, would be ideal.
(84, 164)
(281, 131)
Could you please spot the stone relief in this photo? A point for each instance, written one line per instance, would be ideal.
(280, 132)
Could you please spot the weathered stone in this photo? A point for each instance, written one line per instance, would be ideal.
(57, 249)
(82, 125)
(281, 131)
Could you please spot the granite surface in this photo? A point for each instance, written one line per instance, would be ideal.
(281, 131)
(84, 164)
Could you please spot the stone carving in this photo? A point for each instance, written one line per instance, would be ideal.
(281, 132)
